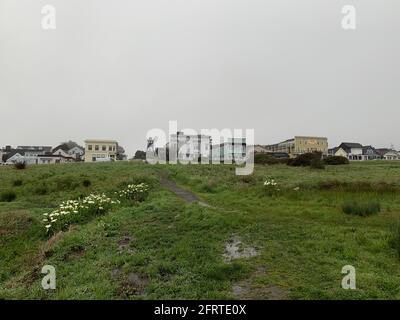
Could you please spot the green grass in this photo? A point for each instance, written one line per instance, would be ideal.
(301, 235)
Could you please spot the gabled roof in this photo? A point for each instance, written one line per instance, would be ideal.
(383, 151)
(63, 147)
(351, 145)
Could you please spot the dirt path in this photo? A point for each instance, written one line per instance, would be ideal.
(185, 195)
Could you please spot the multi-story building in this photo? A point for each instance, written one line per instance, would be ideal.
(100, 150)
(300, 145)
(234, 150)
(190, 148)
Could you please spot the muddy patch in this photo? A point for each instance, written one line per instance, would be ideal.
(124, 245)
(133, 285)
(235, 249)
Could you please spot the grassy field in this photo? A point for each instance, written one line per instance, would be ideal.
(293, 241)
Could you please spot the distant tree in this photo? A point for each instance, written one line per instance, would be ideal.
(140, 155)
(71, 144)
(121, 153)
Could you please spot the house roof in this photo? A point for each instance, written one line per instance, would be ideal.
(35, 148)
(63, 147)
(351, 145)
(383, 151)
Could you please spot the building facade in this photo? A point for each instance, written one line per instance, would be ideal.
(189, 148)
(300, 145)
(100, 150)
(234, 150)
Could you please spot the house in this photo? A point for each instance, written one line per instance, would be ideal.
(100, 150)
(65, 150)
(26, 156)
(370, 153)
(260, 149)
(350, 150)
(300, 145)
(234, 150)
(77, 152)
(190, 148)
(388, 154)
(355, 151)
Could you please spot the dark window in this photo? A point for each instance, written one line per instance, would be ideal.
(96, 147)
(90, 147)
(104, 148)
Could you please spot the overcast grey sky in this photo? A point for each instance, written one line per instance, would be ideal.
(115, 69)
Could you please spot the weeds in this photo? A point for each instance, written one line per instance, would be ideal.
(8, 196)
(362, 209)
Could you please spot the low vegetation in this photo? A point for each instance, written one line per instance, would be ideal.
(20, 165)
(336, 160)
(7, 196)
(154, 245)
(361, 208)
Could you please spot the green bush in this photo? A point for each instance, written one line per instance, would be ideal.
(135, 192)
(305, 160)
(86, 183)
(20, 165)
(17, 183)
(361, 208)
(336, 160)
(8, 196)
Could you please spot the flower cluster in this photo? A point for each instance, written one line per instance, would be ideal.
(271, 183)
(76, 210)
(271, 187)
(136, 192)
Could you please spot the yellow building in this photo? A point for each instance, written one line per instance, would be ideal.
(100, 150)
(299, 145)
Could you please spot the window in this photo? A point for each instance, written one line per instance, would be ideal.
(109, 148)
(104, 148)
(90, 147)
(96, 147)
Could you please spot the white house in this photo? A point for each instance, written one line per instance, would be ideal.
(389, 154)
(64, 150)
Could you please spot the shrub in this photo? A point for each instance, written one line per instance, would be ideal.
(20, 165)
(271, 187)
(8, 196)
(361, 208)
(76, 210)
(135, 192)
(336, 160)
(17, 183)
(86, 183)
(394, 238)
(304, 160)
